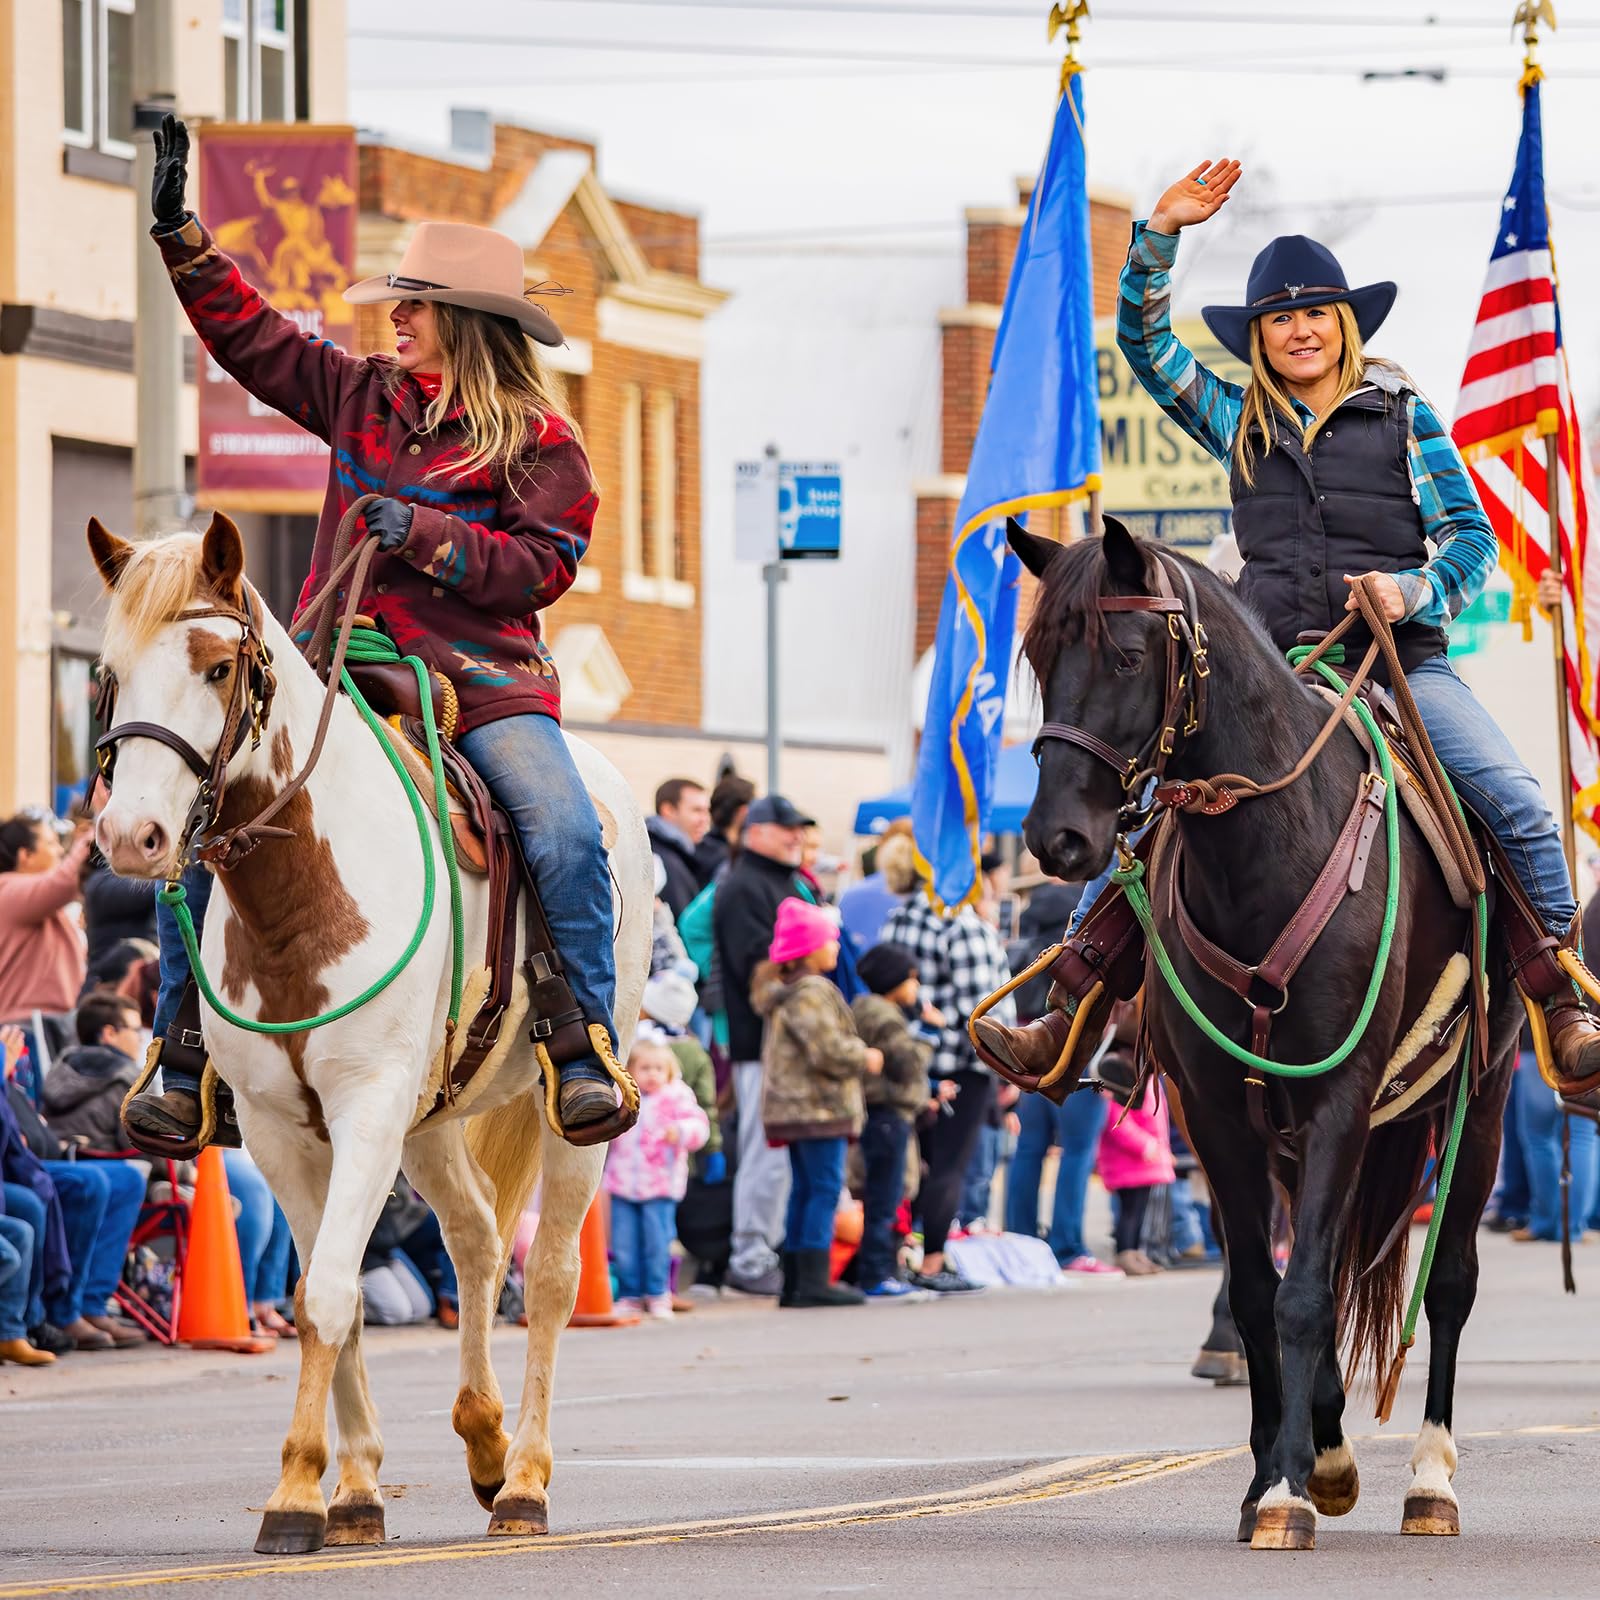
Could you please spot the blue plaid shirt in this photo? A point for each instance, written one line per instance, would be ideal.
(1208, 408)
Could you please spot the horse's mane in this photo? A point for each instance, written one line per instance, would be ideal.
(1064, 608)
(159, 580)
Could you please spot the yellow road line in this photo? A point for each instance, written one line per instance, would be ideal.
(1083, 1475)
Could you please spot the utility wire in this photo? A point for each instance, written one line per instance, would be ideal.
(1431, 22)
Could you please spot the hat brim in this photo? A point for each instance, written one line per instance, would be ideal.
(1371, 303)
(537, 323)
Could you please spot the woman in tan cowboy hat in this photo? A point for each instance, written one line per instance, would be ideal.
(487, 507)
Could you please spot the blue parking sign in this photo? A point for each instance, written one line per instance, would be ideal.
(810, 510)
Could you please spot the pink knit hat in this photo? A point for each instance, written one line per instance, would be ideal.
(801, 929)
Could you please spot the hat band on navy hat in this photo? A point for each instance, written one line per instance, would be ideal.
(1298, 291)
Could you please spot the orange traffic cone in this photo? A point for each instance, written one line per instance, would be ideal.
(595, 1308)
(212, 1314)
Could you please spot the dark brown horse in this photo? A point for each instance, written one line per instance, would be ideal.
(1104, 672)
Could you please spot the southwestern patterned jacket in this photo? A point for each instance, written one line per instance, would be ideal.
(482, 558)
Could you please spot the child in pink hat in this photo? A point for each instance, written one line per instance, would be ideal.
(814, 1061)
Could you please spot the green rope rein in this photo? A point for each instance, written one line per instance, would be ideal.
(366, 645)
(1131, 879)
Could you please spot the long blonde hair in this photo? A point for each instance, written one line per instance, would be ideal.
(1265, 393)
(491, 370)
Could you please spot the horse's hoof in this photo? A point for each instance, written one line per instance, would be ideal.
(486, 1492)
(1285, 1527)
(291, 1533)
(519, 1517)
(355, 1522)
(1335, 1486)
(1238, 1374)
(1217, 1365)
(1247, 1521)
(1431, 1514)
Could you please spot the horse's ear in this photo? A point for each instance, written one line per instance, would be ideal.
(1124, 558)
(222, 557)
(1033, 552)
(110, 553)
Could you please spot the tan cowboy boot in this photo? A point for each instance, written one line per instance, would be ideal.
(1574, 1031)
(1035, 1047)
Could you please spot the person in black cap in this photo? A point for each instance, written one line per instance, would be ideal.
(1340, 470)
(764, 873)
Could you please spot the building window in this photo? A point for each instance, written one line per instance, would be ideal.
(663, 486)
(631, 445)
(258, 68)
(97, 75)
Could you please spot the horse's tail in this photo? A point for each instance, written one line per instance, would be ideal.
(505, 1143)
(1372, 1298)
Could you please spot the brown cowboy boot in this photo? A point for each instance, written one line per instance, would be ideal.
(1573, 1028)
(1032, 1049)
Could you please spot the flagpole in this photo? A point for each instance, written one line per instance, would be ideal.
(1529, 14)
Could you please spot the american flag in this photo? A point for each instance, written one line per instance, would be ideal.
(1515, 406)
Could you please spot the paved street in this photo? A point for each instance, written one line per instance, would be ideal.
(1008, 1444)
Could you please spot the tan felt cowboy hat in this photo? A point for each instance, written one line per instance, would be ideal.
(462, 265)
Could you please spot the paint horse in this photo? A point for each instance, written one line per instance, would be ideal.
(1109, 617)
(303, 924)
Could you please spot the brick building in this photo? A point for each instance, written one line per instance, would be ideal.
(627, 637)
(967, 341)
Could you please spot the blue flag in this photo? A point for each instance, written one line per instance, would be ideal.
(1038, 445)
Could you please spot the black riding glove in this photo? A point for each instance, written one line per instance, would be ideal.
(389, 522)
(172, 174)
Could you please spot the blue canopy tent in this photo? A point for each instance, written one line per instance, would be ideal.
(1016, 778)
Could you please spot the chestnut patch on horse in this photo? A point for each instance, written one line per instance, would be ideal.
(282, 754)
(207, 652)
(292, 918)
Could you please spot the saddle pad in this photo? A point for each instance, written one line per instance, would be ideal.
(469, 847)
(1417, 805)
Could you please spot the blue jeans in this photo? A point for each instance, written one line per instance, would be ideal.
(16, 1271)
(641, 1245)
(100, 1201)
(1511, 1198)
(1493, 781)
(1539, 1121)
(424, 1248)
(979, 1177)
(263, 1230)
(27, 1207)
(530, 772)
(1075, 1127)
(817, 1169)
(883, 1149)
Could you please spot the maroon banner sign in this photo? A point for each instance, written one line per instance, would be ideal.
(280, 199)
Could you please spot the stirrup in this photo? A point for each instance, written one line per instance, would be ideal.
(219, 1122)
(607, 1128)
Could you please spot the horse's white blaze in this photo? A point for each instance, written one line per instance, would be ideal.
(1433, 1462)
(361, 1076)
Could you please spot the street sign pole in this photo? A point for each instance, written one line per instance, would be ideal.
(774, 574)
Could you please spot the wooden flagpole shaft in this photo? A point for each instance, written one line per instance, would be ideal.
(1558, 629)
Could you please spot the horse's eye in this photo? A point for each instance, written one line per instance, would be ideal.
(219, 673)
(1130, 666)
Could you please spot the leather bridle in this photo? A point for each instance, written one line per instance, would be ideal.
(1188, 669)
(252, 685)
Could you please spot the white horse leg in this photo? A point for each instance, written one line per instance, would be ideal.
(1431, 1504)
(365, 1158)
(442, 1170)
(550, 1290)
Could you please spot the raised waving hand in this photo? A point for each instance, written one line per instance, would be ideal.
(1195, 196)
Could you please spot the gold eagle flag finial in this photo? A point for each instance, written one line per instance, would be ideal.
(1068, 14)
(1530, 13)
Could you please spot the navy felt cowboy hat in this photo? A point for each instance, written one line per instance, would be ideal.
(1295, 271)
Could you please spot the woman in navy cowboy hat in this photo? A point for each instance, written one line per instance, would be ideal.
(1339, 469)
